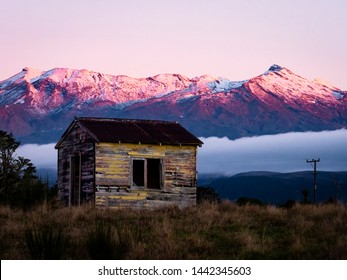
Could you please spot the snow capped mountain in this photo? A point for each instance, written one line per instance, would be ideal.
(36, 106)
(53, 88)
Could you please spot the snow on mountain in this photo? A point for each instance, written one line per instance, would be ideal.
(324, 83)
(40, 104)
(27, 74)
(224, 85)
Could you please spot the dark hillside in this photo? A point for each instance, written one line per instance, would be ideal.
(277, 188)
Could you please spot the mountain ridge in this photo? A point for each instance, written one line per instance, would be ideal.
(36, 106)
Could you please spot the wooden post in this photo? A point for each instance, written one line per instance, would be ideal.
(314, 177)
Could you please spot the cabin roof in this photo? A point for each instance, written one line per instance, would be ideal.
(134, 131)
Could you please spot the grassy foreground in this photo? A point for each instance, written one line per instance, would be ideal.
(207, 231)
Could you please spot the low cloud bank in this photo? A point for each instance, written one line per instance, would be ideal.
(280, 153)
(43, 156)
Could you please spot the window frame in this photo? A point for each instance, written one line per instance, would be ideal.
(145, 173)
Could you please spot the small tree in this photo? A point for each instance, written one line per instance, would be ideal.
(8, 146)
(19, 185)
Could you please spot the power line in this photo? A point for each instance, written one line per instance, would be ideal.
(314, 161)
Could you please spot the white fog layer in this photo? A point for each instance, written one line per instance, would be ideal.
(281, 153)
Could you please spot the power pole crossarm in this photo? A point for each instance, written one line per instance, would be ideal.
(314, 161)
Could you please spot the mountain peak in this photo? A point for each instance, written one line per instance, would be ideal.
(31, 71)
(275, 68)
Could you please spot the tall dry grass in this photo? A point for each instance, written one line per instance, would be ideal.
(207, 231)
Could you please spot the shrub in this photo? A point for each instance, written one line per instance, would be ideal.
(45, 243)
(207, 194)
(249, 201)
(105, 242)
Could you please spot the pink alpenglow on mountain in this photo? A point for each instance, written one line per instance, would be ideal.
(36, 106)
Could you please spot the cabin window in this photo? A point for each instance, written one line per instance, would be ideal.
(147, 173)
(138, 172)
(154, 173)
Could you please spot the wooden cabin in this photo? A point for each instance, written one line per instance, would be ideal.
(123, 162)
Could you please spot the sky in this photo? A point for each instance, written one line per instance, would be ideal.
(236, 39)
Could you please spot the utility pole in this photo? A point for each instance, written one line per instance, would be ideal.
(314, 177)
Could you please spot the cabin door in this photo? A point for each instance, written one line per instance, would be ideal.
(75, 193)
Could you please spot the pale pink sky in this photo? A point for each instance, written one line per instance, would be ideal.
(236, 39)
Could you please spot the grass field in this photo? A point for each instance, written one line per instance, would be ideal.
(207, 231)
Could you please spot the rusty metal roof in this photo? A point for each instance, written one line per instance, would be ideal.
(137, 131)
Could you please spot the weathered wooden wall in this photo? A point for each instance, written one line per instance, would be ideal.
(76, 143)
(113, 172)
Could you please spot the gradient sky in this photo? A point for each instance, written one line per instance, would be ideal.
(236, 39)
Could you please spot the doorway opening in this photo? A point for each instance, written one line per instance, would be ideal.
(75, 193)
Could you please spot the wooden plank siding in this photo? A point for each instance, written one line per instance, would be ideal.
(78, 144)
(114, 175)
